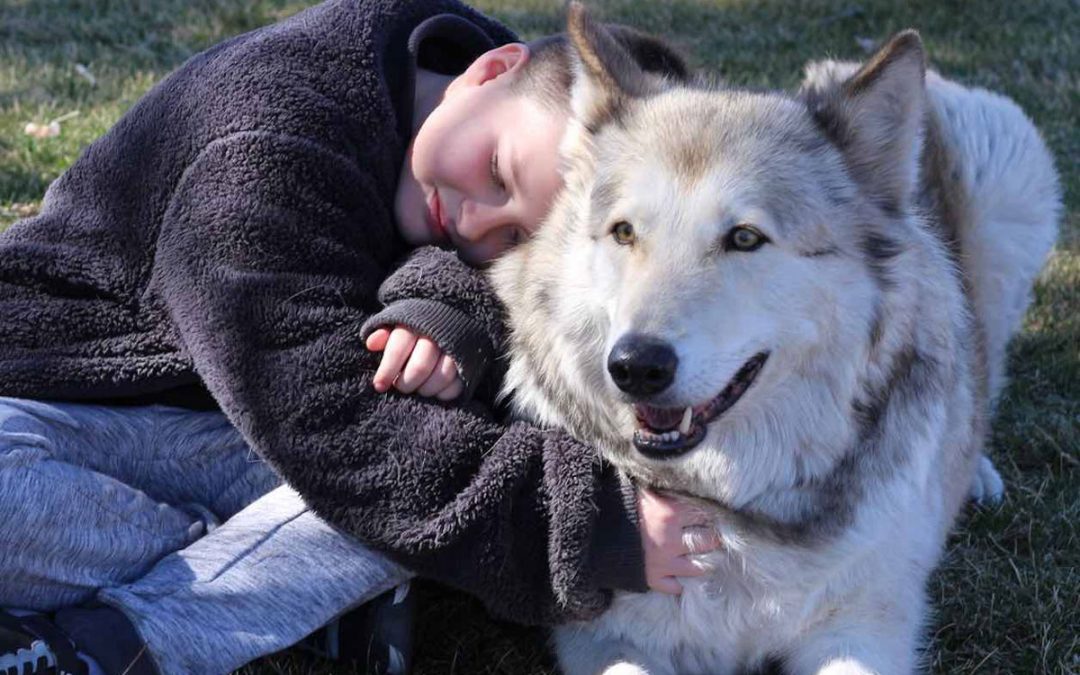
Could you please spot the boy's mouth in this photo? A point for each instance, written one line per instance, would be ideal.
(435, 218)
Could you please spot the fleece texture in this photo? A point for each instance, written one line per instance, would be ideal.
(230, 235)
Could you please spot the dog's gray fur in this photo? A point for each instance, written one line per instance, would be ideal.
(907, 216)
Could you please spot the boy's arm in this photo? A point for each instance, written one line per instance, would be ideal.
(268, 276)
(437, 295)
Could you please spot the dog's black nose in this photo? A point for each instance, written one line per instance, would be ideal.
(642, 365)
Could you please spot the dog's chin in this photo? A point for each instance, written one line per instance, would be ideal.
(666, 433)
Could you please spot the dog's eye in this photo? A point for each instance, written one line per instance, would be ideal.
(623, 232)
(744, 238)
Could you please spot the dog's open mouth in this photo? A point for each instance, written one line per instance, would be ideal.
(668, 432)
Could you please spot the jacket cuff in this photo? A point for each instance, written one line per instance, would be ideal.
(617, 560)
(455, 332)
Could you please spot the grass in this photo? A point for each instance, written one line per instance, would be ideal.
(1007, 592)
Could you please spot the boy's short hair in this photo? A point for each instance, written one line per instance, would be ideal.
(548, 74)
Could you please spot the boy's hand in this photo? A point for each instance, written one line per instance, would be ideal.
(412, 363)
(671, 530)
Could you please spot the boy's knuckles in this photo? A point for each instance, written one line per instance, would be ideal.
(700, 539)
(452, 391)
(434, 384)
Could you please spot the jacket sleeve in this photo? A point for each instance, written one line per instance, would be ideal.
(269, 275)
(436, 294)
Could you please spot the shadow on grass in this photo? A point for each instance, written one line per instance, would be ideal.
(454, 636)
(23, 184)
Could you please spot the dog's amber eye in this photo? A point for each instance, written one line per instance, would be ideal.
(623, 233)
(744, 238)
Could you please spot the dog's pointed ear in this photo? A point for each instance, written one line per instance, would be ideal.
(876, 117)
(655, 56)
(606, 73)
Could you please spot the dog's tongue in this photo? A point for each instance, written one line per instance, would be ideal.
(660, 419)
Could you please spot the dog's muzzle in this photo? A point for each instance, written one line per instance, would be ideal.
(664, 433)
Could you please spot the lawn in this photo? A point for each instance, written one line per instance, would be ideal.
(1007, 593)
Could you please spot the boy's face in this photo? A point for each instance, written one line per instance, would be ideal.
(483, 168)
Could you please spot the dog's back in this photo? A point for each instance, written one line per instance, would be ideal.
(988, 185)
(995, 177)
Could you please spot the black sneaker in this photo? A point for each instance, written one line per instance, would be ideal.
(377, 635)
(31, 644)
(106, 635)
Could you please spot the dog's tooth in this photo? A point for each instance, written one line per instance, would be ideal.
(687, 418)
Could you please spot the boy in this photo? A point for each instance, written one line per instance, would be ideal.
(220, 248)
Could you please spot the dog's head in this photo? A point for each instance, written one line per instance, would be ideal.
(720, 259)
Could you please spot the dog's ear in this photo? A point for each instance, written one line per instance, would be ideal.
(876, 117)
(607, 73)
(655, 56)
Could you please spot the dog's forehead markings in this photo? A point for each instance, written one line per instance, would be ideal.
(694, 134)
(604, 195)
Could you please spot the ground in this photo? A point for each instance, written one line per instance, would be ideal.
(1007, 591)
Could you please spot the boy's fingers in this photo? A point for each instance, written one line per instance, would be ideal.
(687, 513)
(700, 539)
(693, 516)
(435, 383)
(669, 585)
(376, 342)
(425, 356)
(684, 567)
(452, 391)
(440, 378)
(398, 347)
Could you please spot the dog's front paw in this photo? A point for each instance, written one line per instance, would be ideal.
(986, 485)
(625, 669)
(846, 666)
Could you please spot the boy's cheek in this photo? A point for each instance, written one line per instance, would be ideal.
(409, 212)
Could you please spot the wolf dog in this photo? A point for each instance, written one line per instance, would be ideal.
(793, 308)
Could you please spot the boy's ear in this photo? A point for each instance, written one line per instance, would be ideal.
(605, 73)
(495, 63)
(876, 118)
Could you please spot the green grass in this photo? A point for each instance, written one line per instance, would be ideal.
(1007, 592)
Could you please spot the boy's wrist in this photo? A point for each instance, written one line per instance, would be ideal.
(617, 561)
(455, 333)
(439, 275)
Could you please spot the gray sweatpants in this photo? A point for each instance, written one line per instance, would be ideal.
(167, 515)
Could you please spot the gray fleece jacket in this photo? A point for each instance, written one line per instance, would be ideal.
(230, 234)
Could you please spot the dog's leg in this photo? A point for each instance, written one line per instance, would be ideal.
(864, 644)
(582, 652)
(845, 655)
(986, 485)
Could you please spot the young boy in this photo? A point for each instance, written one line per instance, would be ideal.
(195, 288)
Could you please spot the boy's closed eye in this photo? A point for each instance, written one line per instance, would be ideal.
(412, 363)
(496, 177)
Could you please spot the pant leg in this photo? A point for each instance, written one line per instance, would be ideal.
(254, 585)
(257, 584)
(174, 456)
(66, 529)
